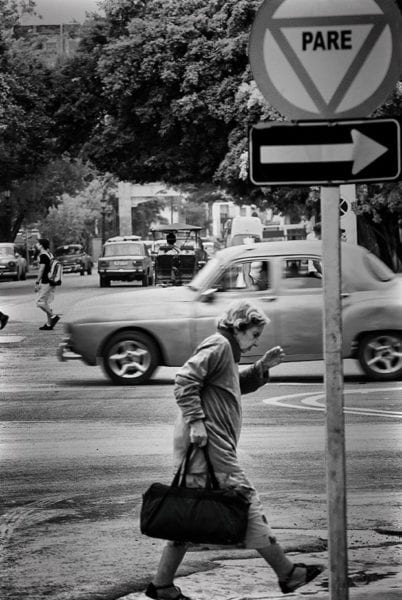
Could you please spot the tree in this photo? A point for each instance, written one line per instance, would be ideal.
(170, 74)
(173, 96)
(25, 119)
(25, 140)
(77, 218)
(29, 199)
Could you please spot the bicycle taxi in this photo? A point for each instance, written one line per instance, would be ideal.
(179, 253)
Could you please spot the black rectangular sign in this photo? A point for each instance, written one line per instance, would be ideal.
(325, 152)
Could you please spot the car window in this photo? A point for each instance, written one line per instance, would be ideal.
(131, 249)
(6, 251)
(68, 250)
(247, 275)
(301, 273)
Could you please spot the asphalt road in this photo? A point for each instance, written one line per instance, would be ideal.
(76, 453)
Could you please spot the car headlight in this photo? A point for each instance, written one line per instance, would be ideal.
(11, 264)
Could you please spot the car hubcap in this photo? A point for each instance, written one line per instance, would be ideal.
(129, 359)
(383, 355)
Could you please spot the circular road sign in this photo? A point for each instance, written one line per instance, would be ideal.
(326, 59)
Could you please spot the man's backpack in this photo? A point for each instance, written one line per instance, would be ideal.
(55, 271)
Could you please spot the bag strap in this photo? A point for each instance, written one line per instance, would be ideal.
(179, 479)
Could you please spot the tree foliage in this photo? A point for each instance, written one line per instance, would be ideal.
(175, 95)
(77, 218)
(170, 76)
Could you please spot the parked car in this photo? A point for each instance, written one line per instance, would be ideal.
(8, 262)
(130, 337)
(125, 259)
(74, 259)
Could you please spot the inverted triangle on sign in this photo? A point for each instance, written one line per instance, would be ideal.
(337, 63)
(325, 75)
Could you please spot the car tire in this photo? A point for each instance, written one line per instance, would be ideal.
(130, 357)
(380, 355)
(145, 280)
(89, 271)
(82, 272)
(23, 275)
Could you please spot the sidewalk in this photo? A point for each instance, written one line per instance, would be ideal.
(374, 559)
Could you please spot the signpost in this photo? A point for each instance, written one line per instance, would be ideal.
(327, 60)
(344, 151)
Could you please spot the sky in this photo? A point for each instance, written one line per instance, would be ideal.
(61, 11)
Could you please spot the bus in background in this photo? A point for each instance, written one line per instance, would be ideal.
(244, 229)
(281, 233)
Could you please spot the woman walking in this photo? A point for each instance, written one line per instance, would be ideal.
(208, 392)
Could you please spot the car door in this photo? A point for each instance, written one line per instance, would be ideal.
(239, 281)
(300, 307)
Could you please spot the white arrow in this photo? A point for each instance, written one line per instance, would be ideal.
(361, 151)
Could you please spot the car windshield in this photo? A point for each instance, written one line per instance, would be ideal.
(6, 251)
(68, 250)
(200, 281)
(125, 249)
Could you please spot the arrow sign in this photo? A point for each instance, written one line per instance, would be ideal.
(362, 151)
(335, 152)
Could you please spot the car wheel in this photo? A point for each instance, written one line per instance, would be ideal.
(130, 358)
(144, 280)
(23, 275)
(380, 355)
(89, 271)
(82, 272)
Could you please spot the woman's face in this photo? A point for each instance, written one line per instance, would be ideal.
(248, 338)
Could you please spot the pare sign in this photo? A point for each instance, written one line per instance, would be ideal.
(332, 39)
(326, 59)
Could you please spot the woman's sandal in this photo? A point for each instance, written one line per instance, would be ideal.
(152, 592)
(312, 571)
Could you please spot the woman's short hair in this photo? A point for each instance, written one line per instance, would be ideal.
(242, 315)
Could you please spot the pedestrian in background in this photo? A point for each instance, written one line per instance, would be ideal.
(45, 291)
(208, 392)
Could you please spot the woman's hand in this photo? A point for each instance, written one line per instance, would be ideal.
(273, 357)
(198, 433)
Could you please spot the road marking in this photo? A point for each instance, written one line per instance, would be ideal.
(317, 402)
(11, 339)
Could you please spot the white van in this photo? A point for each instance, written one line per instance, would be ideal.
(244, 229)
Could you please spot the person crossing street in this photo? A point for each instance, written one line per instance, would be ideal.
(44, 289)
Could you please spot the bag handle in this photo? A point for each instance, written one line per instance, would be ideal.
(179, 479)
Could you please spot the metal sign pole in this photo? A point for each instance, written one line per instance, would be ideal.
(333, 379)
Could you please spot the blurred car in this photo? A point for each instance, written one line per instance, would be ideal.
(125, 259)
(74, 259)
(8, 261)
(132, 335)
